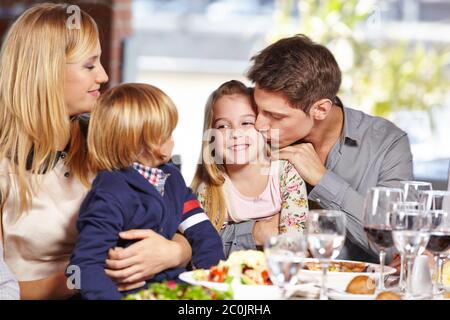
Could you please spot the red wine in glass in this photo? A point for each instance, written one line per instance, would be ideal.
(439, 241)
(380, 235)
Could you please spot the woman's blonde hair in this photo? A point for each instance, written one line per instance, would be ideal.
(129, 120)
(209, 172)
(34, 119)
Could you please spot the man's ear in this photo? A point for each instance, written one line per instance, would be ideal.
(320, 109)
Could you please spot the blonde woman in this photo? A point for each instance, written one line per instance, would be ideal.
(50, 74)
(236, 183)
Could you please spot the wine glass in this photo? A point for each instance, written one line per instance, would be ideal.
(411, 232)
(285, 254)
(378, 209)
(437, 205)
(411, 190)
(325, 234)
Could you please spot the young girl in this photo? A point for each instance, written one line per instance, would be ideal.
(235, 181)
(130, 143)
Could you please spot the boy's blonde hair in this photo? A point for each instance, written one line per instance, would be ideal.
(128, 121)
(34, 119)
(208, 172)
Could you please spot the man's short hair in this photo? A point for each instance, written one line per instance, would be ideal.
(302, 70)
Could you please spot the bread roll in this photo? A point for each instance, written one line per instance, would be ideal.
(388, 295)
(361, 285)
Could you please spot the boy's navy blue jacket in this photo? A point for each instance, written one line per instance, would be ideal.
(124, 200)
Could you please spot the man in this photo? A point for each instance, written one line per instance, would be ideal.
(338, 151)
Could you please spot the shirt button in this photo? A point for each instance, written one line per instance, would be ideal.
(161, 229)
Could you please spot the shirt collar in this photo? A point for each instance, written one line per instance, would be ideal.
(155, 176)
(350, 133)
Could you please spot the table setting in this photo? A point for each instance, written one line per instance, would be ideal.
(412, 221)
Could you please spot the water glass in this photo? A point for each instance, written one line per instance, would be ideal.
(411, 232)
(285, 254)
(411, 191)
(326, 231)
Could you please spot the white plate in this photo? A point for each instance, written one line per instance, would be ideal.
(340, 280)
(335, 295)
(188, 277)
(240, 291)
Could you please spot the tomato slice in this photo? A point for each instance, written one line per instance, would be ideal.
(266, 277)
(217, 274)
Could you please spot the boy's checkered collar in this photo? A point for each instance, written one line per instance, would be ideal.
(155, 176)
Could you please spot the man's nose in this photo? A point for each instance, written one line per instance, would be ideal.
(261, 123)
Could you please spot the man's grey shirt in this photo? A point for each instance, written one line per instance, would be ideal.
(371, 152)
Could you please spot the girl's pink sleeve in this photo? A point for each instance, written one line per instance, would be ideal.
(294, 205)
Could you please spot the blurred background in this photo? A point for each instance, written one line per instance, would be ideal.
(394, 54)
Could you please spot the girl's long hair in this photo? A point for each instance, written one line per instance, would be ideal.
(208, 171)
(34, 119)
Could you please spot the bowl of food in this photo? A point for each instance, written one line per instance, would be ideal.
(341, 272)
(245, 272)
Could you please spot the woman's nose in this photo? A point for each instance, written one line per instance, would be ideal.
(102, 77)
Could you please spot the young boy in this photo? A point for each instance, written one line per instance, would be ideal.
(130, 143)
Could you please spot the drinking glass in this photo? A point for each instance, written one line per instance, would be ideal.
(411, 232)
(285, 254)
(411, 191)
(378, 210)
(437, 205)
(325, 235)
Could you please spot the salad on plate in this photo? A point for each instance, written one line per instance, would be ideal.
(170, 290)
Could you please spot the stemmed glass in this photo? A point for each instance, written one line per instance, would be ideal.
(378, 210)
(411, 190)
(325, 234)
(285, 254)
(411, 232)
(437, 206)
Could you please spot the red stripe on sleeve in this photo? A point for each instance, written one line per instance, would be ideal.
(190, 205)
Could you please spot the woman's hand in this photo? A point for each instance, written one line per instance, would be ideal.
(265, 228)
(130, 267)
